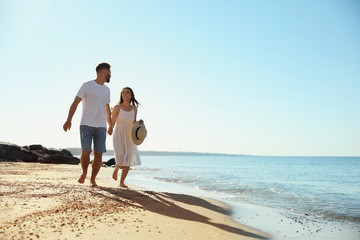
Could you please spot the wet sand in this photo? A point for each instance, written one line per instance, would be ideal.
(45, 201)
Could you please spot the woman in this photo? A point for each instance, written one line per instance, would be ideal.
(124, 116)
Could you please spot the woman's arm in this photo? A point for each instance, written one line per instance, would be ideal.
(135, 109)
(140, 121)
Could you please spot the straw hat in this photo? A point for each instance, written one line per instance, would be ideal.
(138, 133)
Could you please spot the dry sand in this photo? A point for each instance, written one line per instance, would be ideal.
(44, 201)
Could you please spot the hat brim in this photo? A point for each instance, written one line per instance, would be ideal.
(136, 127)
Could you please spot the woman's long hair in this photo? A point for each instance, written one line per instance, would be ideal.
(133, 100)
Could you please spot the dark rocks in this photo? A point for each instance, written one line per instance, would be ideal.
(19, 155)
(35, 153)
(60, 159)
(14, 153)
(110, 162)
(6, 147)
(66, 152)
(36, 147)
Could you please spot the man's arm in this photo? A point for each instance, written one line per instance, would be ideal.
(72, 110)
(108, 118)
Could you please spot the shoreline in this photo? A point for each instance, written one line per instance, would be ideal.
(45, 201)
(280, 223)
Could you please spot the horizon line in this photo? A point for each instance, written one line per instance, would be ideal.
(194, 153)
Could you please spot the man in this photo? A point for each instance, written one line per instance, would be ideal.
(95, 97)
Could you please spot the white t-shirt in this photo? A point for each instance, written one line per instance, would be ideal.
(94, 98)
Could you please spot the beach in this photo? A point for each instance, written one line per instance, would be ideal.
(45, 201)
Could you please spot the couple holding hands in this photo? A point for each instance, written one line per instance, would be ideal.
(127, 132)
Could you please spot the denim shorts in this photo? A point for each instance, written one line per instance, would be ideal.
(98, 134)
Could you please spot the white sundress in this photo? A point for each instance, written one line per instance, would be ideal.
(125, 151)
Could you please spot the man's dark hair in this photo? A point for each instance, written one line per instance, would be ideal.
(102, 66)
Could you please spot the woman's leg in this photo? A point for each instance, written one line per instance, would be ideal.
(115, 173)
(124, 173)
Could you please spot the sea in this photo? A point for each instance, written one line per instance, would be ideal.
(287, 197)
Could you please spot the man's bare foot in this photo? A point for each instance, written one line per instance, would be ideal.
(123, 185)
(115, 174)
(82, 178)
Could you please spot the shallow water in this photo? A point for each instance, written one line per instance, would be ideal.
(322, 191)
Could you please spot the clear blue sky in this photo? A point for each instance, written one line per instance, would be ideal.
(241, 77)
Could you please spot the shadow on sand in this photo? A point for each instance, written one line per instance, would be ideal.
(162, 203)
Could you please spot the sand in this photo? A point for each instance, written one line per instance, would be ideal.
(45, 201)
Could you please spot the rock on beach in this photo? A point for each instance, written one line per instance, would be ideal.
(35, 153)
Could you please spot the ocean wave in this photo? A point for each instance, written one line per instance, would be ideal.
(336, 216)
(142, 169)
(172, 180)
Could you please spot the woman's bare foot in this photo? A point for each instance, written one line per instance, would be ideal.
(82, 178)
(93, 184)
(123, 185)
(115, 173)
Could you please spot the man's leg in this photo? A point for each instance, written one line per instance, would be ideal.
(86, 139)
(96, 164)
(99, 149)
(84, 161)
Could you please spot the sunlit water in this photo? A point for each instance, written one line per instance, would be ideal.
(325, 188)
